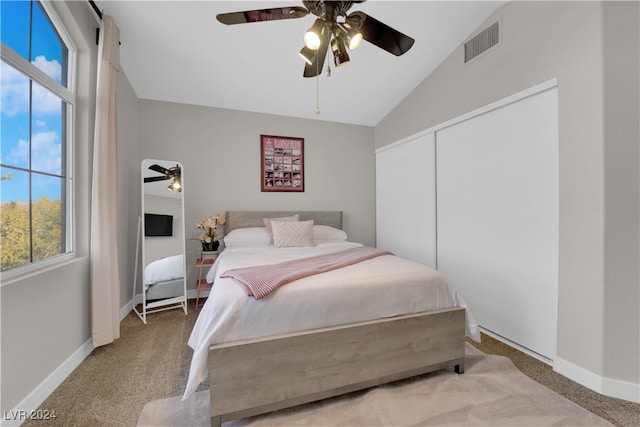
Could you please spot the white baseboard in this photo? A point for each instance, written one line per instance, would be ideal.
(31, 403)
(605, 386)
(191, 294)
(517, 346)
(126, 310)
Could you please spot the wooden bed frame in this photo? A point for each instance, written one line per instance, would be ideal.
(261, 375)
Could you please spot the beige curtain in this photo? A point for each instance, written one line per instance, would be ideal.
(105, 283)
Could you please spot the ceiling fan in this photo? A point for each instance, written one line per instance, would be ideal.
(334, 27)
(171, 173)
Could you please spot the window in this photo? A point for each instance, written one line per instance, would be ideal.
(36, 116)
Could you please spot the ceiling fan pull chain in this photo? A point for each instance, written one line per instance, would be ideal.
(317, 89)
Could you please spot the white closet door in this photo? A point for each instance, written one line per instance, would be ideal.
(405, 199)
(498, 218)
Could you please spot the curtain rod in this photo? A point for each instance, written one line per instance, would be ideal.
(95, 7)
(99, 13)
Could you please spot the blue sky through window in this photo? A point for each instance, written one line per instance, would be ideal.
(31, 117)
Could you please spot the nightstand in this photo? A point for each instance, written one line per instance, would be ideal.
(201, 284)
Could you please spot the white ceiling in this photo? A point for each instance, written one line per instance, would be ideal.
(177, 51)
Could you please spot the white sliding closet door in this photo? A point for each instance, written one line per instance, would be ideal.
(497, 181)
(405, 199)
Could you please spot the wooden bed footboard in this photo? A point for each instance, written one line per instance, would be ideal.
(257, 376)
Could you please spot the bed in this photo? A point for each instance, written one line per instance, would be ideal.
(321, 335)
(164, 286)
(164, 277)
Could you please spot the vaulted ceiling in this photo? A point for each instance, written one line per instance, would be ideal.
(177, 51)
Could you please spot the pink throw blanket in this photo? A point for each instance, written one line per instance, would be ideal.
(260, 281)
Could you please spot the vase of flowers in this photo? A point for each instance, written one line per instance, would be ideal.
(210, 231)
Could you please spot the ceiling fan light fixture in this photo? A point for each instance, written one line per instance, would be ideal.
(307, 54)
(176, 184)
(352, 36)
(313, 36)
(340, 55)
(333, 20)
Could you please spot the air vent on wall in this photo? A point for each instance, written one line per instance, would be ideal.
(483, 41)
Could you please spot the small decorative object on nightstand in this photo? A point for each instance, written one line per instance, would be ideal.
(204, 262)
(209, 231)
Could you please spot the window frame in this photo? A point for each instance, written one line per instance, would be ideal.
(68, 95)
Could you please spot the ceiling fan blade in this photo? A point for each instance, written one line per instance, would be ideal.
(262, 15)
(380, 34)
(156, 178)
(315, 68)
(159, 169)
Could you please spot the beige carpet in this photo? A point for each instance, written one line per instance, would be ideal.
(492, 392)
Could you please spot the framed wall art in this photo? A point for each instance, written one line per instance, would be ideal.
(281, 163)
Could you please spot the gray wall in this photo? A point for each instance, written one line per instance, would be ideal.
(621, 106)
(220, 152)
(129, 198)
(592, 49)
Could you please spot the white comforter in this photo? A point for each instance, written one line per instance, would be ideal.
(164, 269)
(382, 287)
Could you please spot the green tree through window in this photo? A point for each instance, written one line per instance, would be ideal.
(35, 113)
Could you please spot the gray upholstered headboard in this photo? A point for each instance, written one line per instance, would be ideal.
(244, 219)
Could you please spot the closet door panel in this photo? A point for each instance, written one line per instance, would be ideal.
(497, 186)
(405, 199)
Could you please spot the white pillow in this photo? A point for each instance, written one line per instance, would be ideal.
(267, 222)
(251, 236)
(326, 233)
(292, 233)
